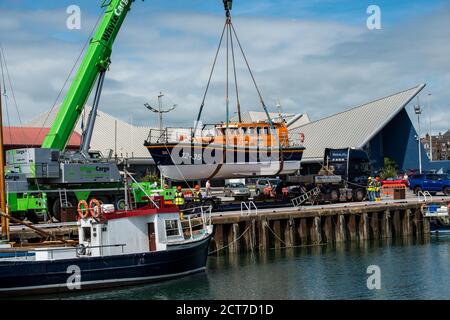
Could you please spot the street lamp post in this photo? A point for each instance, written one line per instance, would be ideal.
(429, 129)
(418, 111)
(160, 112)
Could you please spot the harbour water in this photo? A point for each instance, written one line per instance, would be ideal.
(418, 269)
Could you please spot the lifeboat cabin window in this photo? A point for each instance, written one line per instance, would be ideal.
(172, 228)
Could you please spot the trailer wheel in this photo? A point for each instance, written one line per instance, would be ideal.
(334, 195)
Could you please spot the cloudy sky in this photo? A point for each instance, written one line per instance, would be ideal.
(315, 56)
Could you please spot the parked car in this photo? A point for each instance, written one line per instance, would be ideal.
(432, 183)
(237, 190)
(261, 184)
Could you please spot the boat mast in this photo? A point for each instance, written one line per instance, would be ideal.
(4, 220)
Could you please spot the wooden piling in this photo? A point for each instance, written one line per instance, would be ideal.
(386, 230)
(417, 222)
(253, 235)
(396, 223)
(340, 229)
(302, 231)
(328, 229)
(364, 227)
(375, 226)
(233, 235)
(407, 223)
(289, 234)
(218, 237)
(277, 237)
(263, 235)
(316, 234)
(247, 236)
(352, 228)
(426, 226)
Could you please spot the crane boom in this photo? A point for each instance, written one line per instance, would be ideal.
(95, 61)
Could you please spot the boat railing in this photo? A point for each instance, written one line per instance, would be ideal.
(199, 217)
(174, 134)
(170, 135)
(18, 253)
(79, 248)
(32, 251)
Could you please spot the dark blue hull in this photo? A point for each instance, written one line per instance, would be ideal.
(32, 277)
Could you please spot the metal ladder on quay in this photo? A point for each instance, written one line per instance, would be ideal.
(298, 201)
(63, 198)
(248, 208)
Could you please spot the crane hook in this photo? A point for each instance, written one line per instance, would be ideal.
(228, 4)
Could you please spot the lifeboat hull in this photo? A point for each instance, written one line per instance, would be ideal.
(200, 161)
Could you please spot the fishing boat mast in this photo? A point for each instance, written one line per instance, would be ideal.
(4, 220)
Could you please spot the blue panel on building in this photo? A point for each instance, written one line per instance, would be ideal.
(398, 141)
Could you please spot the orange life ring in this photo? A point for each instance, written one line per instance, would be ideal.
(83, 209)
(302, 137)
(95, 203)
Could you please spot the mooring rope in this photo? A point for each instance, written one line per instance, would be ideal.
(235, 240)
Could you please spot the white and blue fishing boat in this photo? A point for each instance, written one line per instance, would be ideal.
(115, 248)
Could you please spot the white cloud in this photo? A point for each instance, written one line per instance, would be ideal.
(319, 67)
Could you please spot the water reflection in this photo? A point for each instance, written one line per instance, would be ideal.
(410, 269)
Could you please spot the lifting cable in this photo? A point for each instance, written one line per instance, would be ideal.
(231, 31)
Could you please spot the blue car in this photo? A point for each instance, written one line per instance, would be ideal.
(431, 182)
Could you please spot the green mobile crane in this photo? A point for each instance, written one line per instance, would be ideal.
(43, 180)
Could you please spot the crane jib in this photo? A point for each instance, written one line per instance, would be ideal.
(115, 19)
